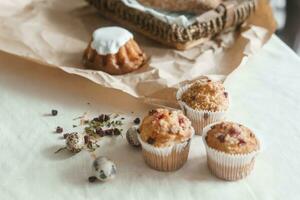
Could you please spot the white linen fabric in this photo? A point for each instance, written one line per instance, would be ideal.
(265, 93)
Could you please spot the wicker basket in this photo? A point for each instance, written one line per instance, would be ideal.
(228, 15)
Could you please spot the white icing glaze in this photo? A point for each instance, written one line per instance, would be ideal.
(178, 18)
(109, 40)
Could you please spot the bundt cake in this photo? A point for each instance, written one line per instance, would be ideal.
(196, 6)
(113, 50)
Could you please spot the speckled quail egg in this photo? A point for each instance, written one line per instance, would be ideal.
(74, 142)
(104, 169)
(132, 136)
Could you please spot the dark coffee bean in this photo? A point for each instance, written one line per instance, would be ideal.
(92, 179)
(137, 121)
(66, 135)
(59, 129)
(54, 112)
(74, 126)
(151, 141)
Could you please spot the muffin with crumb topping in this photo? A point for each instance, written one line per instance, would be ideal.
(165, 138)
(231, 150)
(204, 102)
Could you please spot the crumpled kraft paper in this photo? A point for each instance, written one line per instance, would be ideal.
(55, 33)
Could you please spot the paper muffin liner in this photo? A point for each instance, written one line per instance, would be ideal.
(227, 166)
(199, 118)
(166, 158)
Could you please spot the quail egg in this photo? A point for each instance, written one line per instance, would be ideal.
(104, 169)
(132, 136)
(74, 142)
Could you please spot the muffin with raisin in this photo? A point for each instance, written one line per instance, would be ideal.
(165, 138)
(231, 150)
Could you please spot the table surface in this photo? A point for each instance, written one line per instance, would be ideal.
(265, 96)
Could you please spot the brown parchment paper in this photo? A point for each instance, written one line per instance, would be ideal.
(55, 33)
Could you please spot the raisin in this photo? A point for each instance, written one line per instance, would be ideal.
(221, 138)
(151, 141)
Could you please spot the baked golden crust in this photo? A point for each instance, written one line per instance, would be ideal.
(232, 138)
(129, 58)
(206, 95)
(182, 5)
(162, 128)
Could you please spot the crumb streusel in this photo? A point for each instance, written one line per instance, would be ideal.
(206, 95)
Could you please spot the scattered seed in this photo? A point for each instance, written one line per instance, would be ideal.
(74, 126)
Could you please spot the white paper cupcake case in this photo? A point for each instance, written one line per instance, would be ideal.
(199, 119)
(226, 166)
(166, 158)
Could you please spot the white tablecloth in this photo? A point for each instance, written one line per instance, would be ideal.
(266, 96)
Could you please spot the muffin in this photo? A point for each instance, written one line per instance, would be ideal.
(203, 102)
(113, 50)
(231, 150)
(165, 138)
